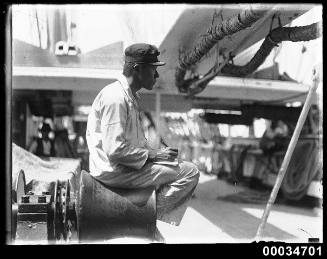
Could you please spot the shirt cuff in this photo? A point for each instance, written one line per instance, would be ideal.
(145, 160)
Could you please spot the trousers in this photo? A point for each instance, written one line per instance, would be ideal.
(174, 186)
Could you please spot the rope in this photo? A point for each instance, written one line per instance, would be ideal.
(277, 35)
(215, 32)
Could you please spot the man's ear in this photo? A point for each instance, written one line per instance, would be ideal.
(137, 67)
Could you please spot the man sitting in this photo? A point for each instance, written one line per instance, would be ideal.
(119, 154)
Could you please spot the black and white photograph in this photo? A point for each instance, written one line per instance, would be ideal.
(165, 124)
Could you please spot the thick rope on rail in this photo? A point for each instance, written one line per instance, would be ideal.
(215, 33)
(303, 33)
(294, 34)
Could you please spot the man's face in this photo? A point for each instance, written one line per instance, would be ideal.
(147, 76)
(45, 134)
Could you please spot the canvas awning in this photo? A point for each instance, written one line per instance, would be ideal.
(87, 73)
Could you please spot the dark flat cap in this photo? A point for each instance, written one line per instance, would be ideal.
(142, 53)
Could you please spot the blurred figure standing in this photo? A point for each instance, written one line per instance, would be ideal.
(61, 142)
(43, 146)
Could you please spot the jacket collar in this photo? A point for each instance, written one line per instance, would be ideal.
(123, 81)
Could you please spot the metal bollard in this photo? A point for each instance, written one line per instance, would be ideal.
(104, 213)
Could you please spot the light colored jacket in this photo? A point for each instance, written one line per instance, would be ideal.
(114, 133)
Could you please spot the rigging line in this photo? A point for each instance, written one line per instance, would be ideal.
(32, 16)
(38, 28)
(217, 67)
(278, 48)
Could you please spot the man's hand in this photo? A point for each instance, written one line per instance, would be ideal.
(166, 154)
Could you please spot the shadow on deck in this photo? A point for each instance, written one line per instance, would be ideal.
(232, 217)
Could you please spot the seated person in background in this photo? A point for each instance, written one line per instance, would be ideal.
(273, 139)
(314, 120)
(44, 146)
